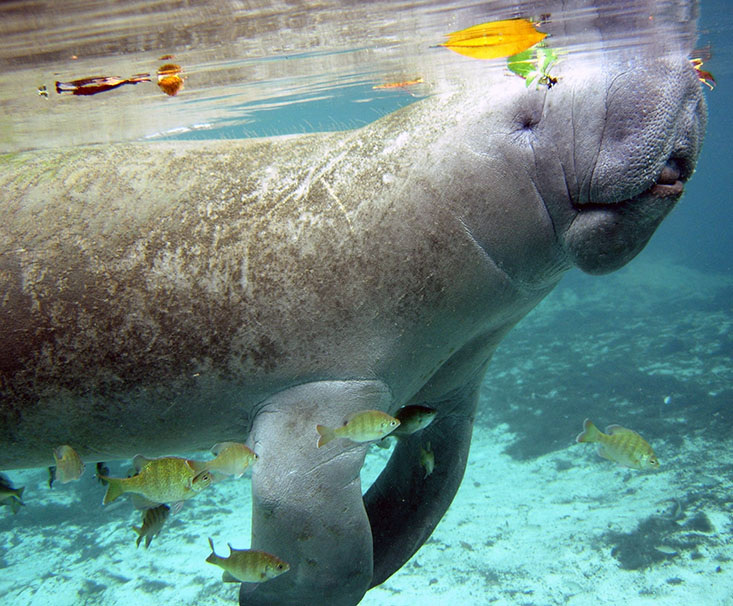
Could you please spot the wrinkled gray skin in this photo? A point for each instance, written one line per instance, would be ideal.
(160, 298)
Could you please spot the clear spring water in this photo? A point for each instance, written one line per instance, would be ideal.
(537, 520)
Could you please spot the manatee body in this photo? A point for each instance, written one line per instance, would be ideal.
(161, 298)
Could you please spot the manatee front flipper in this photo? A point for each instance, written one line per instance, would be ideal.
(403, 505)
(307, 501)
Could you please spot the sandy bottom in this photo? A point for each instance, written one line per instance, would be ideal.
(567, 528)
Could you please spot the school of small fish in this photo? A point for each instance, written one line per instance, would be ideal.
(159, 486)
(620, 445)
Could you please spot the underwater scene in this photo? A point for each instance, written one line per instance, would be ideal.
(600, 468)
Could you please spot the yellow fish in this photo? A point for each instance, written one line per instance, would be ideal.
(247, 565)
(495, 39)
(621, 445)
(162, 480)
(364, 426)
(153, 520)
(69, 466)
(231, 458)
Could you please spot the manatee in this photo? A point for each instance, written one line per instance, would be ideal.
(164, 297)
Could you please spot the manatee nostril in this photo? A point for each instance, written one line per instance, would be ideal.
(527, 122)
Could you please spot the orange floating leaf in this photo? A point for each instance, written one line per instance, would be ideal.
(170, 85)
(403, 84)
(169, 69)
(495, 39)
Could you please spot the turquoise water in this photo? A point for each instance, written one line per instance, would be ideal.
(539, 520)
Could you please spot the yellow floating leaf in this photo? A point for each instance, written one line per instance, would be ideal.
(495, 39)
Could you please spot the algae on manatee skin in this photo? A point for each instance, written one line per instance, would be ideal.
(8, 158)
(34, 167)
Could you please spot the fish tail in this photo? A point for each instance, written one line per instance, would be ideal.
(19, 494)
(326, 435)
(590, 432)
(213, 558)
(140, 535)
(114, 489)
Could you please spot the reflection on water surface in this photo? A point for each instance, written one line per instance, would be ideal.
(254, 68)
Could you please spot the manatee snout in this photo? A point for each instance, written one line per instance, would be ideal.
(652, 137)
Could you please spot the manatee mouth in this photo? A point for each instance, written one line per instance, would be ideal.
(605, 236)
(667, 188)
(669, 182)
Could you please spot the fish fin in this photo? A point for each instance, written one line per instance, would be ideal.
(142, 503)
(590, 432)
(198, 466)
(217, 476)
(602, 452)
(175, 507)
(139, 461)
(385, 442)
(217, 448)
(228, 578)
(246, 588)
(326, 435)
(58, 454)
(139, 538)
(19, 495)
(619, 430)
(114, 489)
(213, 551)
